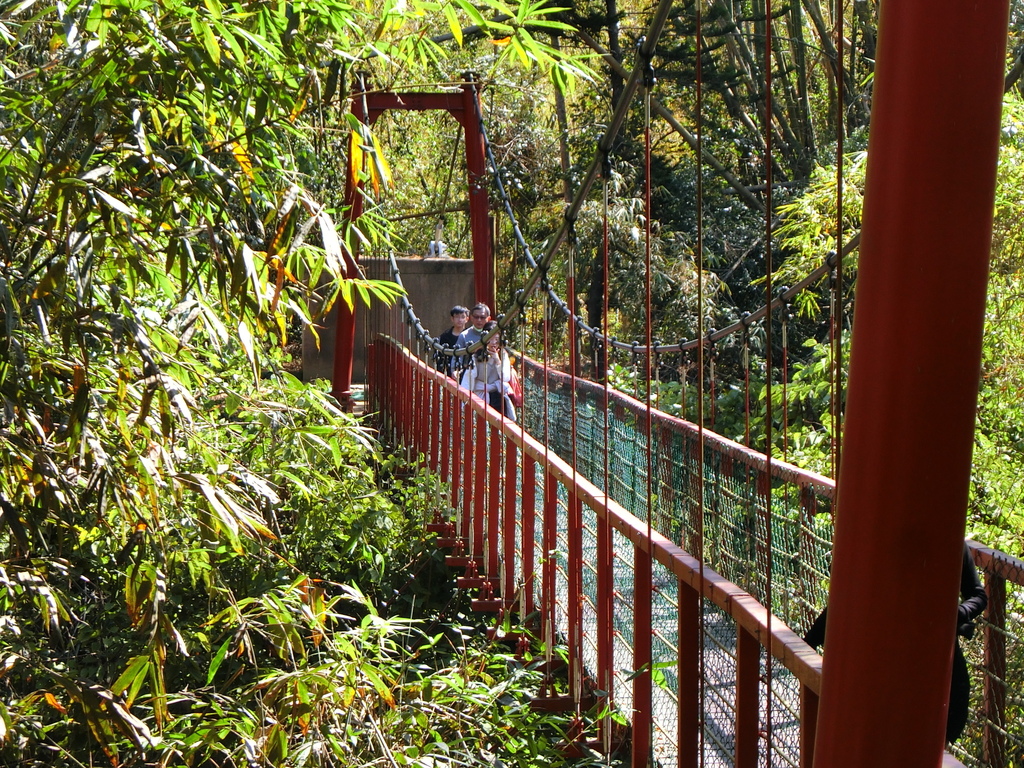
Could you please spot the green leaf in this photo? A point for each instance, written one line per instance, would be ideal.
(138, 665)
(217, 660)
(453, 23)
(210, 42)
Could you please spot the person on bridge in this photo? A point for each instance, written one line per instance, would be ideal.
(491, 375)
(479, 315)
(973, 600)
(447, 363)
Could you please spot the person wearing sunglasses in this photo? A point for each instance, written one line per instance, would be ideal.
(479, 315)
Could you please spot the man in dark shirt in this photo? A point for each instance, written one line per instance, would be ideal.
(447, 363)
(973, 600)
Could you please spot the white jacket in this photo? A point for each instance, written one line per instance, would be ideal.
(490, 375)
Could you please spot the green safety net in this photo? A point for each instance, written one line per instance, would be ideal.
(738, 539)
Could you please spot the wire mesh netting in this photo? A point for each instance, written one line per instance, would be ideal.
(738, 539)
(734, 538)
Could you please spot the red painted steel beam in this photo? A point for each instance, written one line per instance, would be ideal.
(467, 469)
(913, 383)
(464, 107)
(508, 525)
(574, 598)
(479, 213)
(495, 474)
(748, 695)
(549, 573)
(691, 636)
(529, 544)
(378, 103)
(345, 324)
(437, 398)
(643, 710)
(479, 482)
(605, 610)
(808, 725)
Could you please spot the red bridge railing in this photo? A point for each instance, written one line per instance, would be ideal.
(649, 631)
(557, 548)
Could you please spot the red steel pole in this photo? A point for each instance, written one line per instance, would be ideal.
(508, 526)
(457, 457)
(479, 214)
(643, 714)
(914, 371)
(495, 472)
(748, 674)
(426, 420)
(448, 434)
(605, 610)
(467, 468)
(689, 674)
(480, 482)
(345, 329)
(549, 571)
(574, 598)
(529, 544)
(437, 425)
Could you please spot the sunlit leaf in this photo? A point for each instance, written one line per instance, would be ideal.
(245, 339)
(453, 23)
(242, 158)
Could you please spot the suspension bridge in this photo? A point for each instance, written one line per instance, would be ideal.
(677, 569)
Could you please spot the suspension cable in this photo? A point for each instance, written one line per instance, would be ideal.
(769, 267)
(746, 387)
(837, 318)
(699, 263)
(537, 279)
(606, 549)
(646, 578)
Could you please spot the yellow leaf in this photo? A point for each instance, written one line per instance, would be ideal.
(383, 169)
(502, 41)
(355, 154)
(52, 701)
(298, 109)
(242, 158)
(300, 101)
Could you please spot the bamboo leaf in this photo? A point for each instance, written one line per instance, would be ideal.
(116, 204)
(472, 12)
(210, 42)
(356, 160)
(217, 660)
(453, 23)
(242, 158)
(245, 339)
(382, 689)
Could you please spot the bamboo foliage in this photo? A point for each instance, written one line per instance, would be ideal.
(164, 483)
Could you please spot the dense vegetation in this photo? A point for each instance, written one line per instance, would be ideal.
(205, 562)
